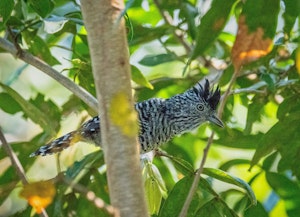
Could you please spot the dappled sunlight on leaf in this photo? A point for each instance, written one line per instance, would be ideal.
(249, 46)
(39, 194)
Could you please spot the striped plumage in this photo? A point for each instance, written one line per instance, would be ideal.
(159, 119)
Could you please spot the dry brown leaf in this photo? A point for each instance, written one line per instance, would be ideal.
(249, 46)
(39, 194)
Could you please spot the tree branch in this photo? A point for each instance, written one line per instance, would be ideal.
(44, 67)
(111, 69)
(16, 164)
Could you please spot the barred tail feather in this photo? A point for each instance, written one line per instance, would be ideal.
(58, 144)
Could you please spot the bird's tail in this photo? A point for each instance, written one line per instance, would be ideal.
(58, 144)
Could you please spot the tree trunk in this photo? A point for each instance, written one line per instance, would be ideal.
(111, 69)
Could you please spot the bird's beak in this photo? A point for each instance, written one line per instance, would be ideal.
(215, 120)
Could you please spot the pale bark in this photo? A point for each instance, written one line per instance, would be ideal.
(111, 69)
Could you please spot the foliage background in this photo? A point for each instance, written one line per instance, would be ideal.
(261, 114)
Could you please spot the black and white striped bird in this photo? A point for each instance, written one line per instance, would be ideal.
(159, 119)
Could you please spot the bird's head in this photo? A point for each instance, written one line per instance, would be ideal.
(205, 102)
(195, 106)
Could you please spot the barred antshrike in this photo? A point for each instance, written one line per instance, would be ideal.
(159, 120)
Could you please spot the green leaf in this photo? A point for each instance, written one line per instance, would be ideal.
(173, 204)
(290, 14)
(6, 7)
(153, 195)
(8, 181)
(41, 7)
(182, 165)
(257, 210)
(215, 208)
(227, 165)
(211, 25)
(48, 107)
(254, 111)
(54, 24)
(231, 137)
(270, 80)
(9, 104)
(189, 12)
(288, 190)
(34, 113)
(277, 135)
(262, 14)
(225, 177)
(153, 60)
(39, 48)
(79, 166)
(138, 77)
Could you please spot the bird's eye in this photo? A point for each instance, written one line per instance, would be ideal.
(200, 107)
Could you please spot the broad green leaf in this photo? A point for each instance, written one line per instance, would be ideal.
(254, 112)
(277, 135)
(288, 190)
(290, 14)
(289, 105)
(269, 161)
(140, 31)
(190, 12)
(236, 139)
(153, 60)
(228, 164)
(39, 48)
(262, 14)
(54, 24)
(216, 208)
(226, 177)
(138, 77)
(42, 7)
(34, 113)
(173, 204)
(6, 7)
(9, 104)
(212, 23)
(79, 166)
(257, 210)
(182, 166)
(290, 156)
(8, 181)
(270, 80)
(49, 108)
(175, 200)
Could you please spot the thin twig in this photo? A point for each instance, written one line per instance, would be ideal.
(44, 67)
(16, 164)
(199, 171)
(168, 19)
(14, 159)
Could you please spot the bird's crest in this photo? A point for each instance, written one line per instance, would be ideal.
(210, 96)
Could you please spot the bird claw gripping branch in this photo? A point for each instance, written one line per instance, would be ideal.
(159, 119)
